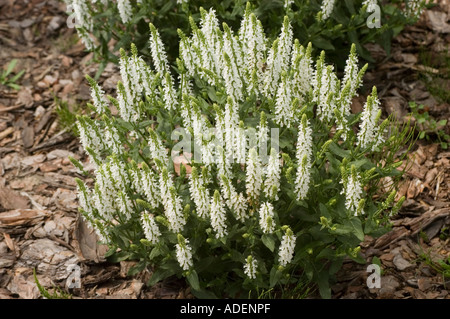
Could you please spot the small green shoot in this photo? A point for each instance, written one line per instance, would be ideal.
(429, 127)
(57, 294)
(67, 115)
(10, 82)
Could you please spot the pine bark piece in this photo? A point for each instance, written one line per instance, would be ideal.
(21, 217)
(10, 199)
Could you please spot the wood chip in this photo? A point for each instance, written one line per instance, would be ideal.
(10, 199)
(6, 132)
(9, 242)
(21, 217)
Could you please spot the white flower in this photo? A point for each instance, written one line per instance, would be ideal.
(119, 174)
(126, 207)
(171, 202)
(352, 190)
(327, 8)
(369, 131)
(283, 104)
(157, 150)
(136, 179)
(218, 215)
(125, 108)
(86, 39)
(223, 164)
(97, 95)
(137, 76)
(184, 254)
(125, 10)
(237, 203)
(112, 139)
(288, 3)
(239, 206)
(233, 83)
(150, 187)
(278, 58)
(169, 93)
(251, 35)
(211, 46)
(90, 136)
(302, 72)
(199, 193)
(286, 36)
(84, 197)
(303, 154)
(253, 180)
(104, 195)
(266, 218)
(350, 76)
(151, 230)
(187, 55)
(250, 267)
(327, 94)
(158, 53)
(272, 181)
(414, 8)
(162, 67)
(82, 16)
(286, 250)
(240, 144)
(262, 135)
(130, 90)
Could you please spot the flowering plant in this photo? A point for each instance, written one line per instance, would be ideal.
(330, 25)
(245, 171)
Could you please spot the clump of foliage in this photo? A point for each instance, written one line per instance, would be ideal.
(11, 81)
(429, 128)
(241, 167)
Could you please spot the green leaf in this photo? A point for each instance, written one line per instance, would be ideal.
(155, 253)
(357, 227)
(422, 135)
(335, 149)
(204, 294)
(118, 257)
(275, 276)
(268, 241)
(18, 75)
(137, 268)
(350, 6)
(324, 286)
(10, 67)
(14, 86)
(159, 275)
(322, 43)
(342, 230)
(192, 278)
(420, 120)
(442, 122)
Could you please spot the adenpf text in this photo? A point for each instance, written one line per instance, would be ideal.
(229, 308)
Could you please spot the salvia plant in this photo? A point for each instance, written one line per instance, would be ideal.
(241, 167)
(330, 25)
